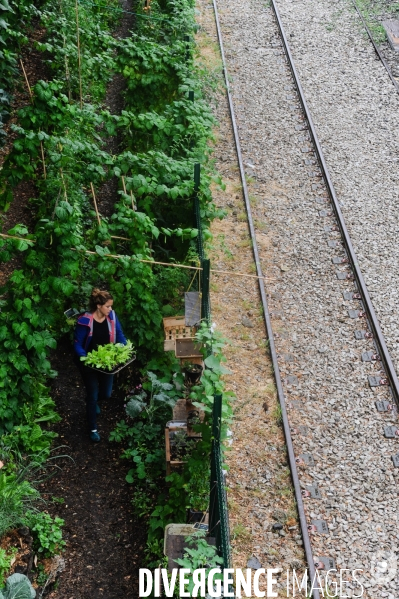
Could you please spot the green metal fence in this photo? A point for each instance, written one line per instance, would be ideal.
(218, 512)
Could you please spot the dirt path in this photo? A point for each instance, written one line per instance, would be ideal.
(104, 541)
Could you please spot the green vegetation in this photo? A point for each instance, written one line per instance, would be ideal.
(189, 486)
(18, 586)
(372, 12)
(6, 558)
(46, 531)
(60, 146)
(108, 357)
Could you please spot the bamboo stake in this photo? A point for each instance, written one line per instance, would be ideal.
(44, 164)
(63, 182)
(125, 192)
(31, 99)
(79, 59)
(19, 238)
(124, 185)
(171, 264)
(95, 204)
(168, 264)
(26, 79)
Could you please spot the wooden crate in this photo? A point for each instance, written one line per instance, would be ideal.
(172, 427)
(181, 411)
(175, 542)
(187, 348)
(175, 328)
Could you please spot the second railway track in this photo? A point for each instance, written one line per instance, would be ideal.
(335, 378)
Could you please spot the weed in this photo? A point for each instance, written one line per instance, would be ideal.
(260, 225)
(240, 532)
(225, 249)
(277, 414)
(253, 200)
(46, 532)
(264, 344)
(6, 560)
(285, 491)
(247, 305)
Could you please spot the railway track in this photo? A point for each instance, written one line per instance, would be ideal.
(336, 382)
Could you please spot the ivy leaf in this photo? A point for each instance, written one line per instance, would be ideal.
(214, 364)
(101, 251)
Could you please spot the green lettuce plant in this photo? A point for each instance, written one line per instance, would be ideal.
(108, 357)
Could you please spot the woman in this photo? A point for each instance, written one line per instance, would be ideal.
(98, 327)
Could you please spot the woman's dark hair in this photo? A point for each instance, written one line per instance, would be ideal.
(98, 297)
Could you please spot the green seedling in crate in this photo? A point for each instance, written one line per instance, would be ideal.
(108, 357)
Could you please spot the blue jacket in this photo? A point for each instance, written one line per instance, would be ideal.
(84, 332)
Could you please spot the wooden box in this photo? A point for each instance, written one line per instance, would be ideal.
(175, 328)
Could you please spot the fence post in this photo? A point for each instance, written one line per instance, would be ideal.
(214, 514)
(187, 40)
(205, 311)
(197, 182)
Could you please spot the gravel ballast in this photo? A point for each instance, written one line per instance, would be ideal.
(354, 106)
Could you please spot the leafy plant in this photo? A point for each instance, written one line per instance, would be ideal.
(108, 357)
(16, 495)
(46, 531)
(199, 554)
(6, 559)
(18, 586)
(159, 395)
(67, 252)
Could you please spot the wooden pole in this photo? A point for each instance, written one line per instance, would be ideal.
(171, 264)
(95, 204)
(26, 79)
(44, 164)
(168, 264)
(79, 58)
(124, 185)
(125, 192)
(19, 238)
(63, 182)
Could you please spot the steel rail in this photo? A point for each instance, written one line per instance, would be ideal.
(368, 306)
(380, 56)
(269, 330)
